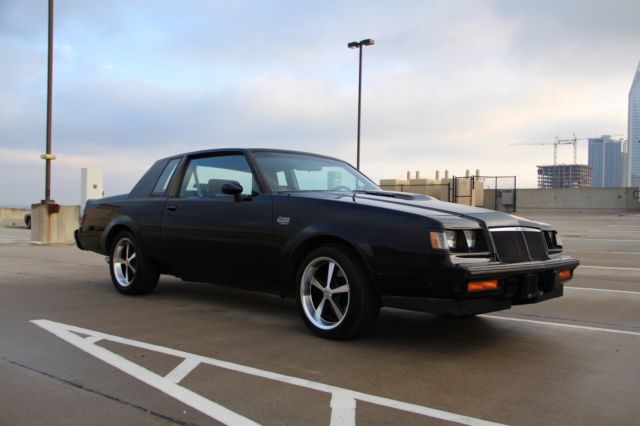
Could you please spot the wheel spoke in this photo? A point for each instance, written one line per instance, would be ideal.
(316, 284)
(337, 310)
(332, 267)
(124, 262)
(318, 289)
(342, 289)
(318, 314)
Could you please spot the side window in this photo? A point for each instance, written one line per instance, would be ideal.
(165, 177)
(205, 176)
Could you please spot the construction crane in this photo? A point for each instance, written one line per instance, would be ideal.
(571, 141)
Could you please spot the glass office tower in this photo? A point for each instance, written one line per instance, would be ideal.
(633, 177)
(606, 158)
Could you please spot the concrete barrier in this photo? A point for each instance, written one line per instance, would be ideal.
(577, 199)
(53, 223)
(12, 217)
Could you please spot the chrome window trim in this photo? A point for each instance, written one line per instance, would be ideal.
(515, 229)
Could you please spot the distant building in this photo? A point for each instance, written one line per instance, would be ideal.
(633, 174)
(564, 176)
(607, 160)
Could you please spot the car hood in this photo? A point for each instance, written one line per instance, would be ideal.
(425, 206)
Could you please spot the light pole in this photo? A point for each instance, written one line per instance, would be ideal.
(359, 45)
(49, 156)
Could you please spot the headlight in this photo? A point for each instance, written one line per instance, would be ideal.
(452, 239)
(458, 241)
(553, 240)
(558, 240)
(470, 236)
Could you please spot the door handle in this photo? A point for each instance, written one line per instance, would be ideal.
(172, 208)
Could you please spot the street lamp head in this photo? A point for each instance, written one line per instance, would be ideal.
(353, 45)
(367, 42)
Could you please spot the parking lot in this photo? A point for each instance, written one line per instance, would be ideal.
(74, 351)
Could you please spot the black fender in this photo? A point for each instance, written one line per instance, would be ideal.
(311, 236)
(117, 222)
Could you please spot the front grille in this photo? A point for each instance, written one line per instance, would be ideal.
(536, 245)
(510, 246)
(519, 244)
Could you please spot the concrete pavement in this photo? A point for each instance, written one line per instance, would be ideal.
(572, 360)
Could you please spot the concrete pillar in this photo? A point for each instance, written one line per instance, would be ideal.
(54, 223)
(91, 185)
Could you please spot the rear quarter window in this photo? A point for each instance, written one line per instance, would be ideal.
(165, 177)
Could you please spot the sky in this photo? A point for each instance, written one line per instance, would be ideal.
(448, 84)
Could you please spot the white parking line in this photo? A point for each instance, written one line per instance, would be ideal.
(163, 384)
(602, 289)
(610, 267)
(182, 370)
(559, 324)
(601, 252)
(343, 401)
(343, 410)
(618, 240)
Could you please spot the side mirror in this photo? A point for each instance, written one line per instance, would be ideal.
(232, 188)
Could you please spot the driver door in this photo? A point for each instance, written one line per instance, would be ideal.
(211, 236)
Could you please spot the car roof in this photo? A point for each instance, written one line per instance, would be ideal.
(250, 150)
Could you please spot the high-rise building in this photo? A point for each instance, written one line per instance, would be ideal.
(607, 158)
(633, 176)
(564, 176)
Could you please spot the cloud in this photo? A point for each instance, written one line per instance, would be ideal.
(66, 49)
(448, 85)
(26, 172)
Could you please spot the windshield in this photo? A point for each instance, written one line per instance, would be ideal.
(299, 172)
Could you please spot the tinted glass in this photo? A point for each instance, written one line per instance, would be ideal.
(205, 176)
(300, 172)
(165, 177)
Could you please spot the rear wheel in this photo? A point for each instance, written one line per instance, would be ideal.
(131, 272)
(336, 298)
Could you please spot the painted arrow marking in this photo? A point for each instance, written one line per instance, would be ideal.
(343, 401)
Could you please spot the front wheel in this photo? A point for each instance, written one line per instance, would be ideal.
(336, 298)
(131, 272)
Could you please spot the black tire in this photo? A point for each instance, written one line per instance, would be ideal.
(131, 273)
(320, 307)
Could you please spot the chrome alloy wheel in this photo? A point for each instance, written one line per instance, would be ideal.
(124, 262)
(324, 293)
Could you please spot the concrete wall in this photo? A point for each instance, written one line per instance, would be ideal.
(576, 199)
(54, 228)
(439, 188)
(12, 217)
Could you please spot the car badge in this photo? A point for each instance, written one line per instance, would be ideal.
(283, 220)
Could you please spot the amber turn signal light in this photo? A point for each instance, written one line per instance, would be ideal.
(482, 285)
(564, 274)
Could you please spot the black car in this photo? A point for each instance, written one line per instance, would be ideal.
(315, 228)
